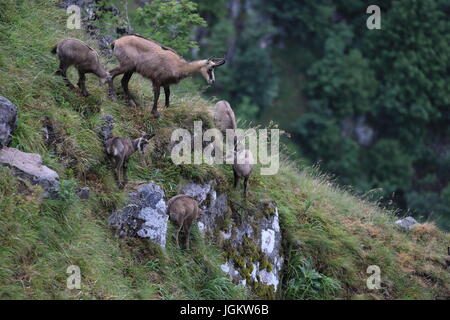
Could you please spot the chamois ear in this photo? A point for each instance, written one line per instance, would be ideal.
(217, 61)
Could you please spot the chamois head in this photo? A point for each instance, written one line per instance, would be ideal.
(207, 70)
(141, 143)
(106, 79)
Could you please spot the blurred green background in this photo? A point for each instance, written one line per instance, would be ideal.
(370, 107)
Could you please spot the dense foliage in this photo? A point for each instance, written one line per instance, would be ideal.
(372, 106)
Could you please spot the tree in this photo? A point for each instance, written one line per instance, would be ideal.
(170, 22)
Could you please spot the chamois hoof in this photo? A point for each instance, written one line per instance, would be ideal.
(156, 114)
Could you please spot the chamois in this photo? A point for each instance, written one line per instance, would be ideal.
(183, 210)
(224, 120)
(224, 116)
(74, 52)
(120, 150)
(242, 167)
(162, 65)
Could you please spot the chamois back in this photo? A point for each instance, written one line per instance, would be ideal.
(148, 58)
(224, 117)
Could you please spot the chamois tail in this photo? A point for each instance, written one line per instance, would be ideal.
(54, 49)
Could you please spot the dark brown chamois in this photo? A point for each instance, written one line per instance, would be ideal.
(120, 150)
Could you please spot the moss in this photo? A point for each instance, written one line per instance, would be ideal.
(264, 291)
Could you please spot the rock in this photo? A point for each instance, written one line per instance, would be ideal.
(8, 121)
(106, 127)
(144, 215)
(407, 223)
(83, 192)
(251, 240)
(29, 166)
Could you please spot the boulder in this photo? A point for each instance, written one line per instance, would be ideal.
(29, 166)
(251, 238)
(144, 215)
(407, 223)
(83, 192)
(8, 121)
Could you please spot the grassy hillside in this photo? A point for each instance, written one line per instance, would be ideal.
(330, 236)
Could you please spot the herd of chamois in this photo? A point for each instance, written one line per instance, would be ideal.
(164, 67)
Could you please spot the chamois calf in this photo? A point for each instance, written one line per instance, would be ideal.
(74, 52)
(242, 168)
(184, 211)
(120, 150)
(224, 116)
(224, 120)
(162, 65)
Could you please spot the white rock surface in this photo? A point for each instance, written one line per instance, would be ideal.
(29, 166)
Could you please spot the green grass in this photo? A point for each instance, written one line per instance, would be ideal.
(330, 237)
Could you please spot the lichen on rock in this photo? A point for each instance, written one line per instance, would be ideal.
(251, 240)
(144, 215)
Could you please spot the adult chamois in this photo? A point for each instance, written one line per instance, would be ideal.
(74, 52)
(162, 65)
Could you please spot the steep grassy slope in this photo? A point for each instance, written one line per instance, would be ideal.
(330, 236)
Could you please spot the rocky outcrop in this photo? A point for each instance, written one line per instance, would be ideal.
(29, 166)
(250, 237)
(144, 215)
(8, 121)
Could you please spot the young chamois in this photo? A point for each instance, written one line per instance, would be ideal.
(74, 52)
(224, 120)
(162, 65)
(120, 150)
(242, 167)
(184, 211)
(224, 116)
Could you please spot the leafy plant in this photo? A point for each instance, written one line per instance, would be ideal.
(307, 283)
(170, 23)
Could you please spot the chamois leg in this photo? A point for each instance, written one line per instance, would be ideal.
(125, 79)
(156, 92)
(236, 179)
(82, 83)
(114, 73)
(245, 187)
(167, 94)
(113, 163)
(177, 234)
(120, 173)
(62, 71)
(125, 172)
(186, 240)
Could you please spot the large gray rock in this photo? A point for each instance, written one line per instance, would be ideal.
(144, 215)
(407, 223)
(8, 121)
(251, 238)
(29, 166)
